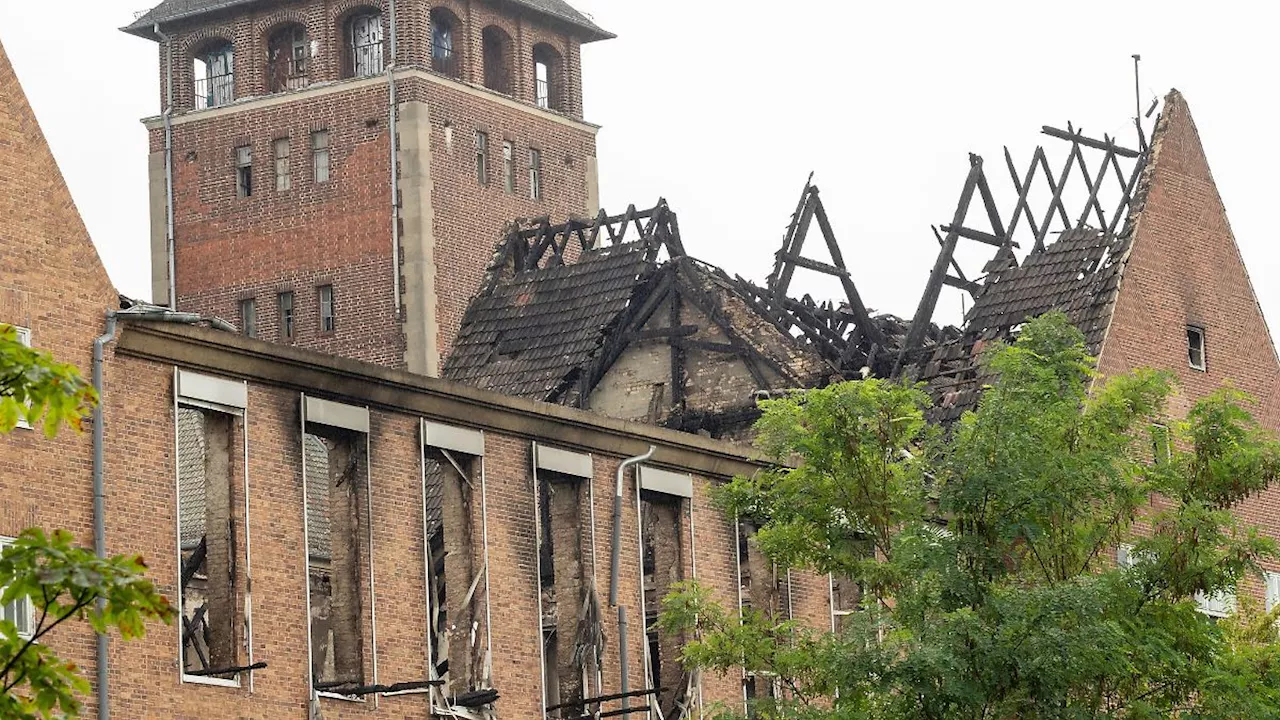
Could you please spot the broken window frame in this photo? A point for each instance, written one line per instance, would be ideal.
(364, 45)
(213, 76)
(482, 158)
(509, 167)
(1197, 346)
(249, 317)
(243, 157)
(287, 54)
(328, 309)
(209, 394)
(286, 308)
(333, 419)
(535, 174)
(282, 149)
(461, 449)
(677, 488)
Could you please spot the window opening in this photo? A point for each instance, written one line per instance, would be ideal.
(24, 339)
(320, 156)
(285, 303)
(443, 57)
(482, 157)
(20, 610)
(571, 659)
(1195, 347)
(497, 59)
(535, 174)
(213, 72)
(327, 322)
(662, 539)
(212, 645)
(1217, 605)
(283, 180)
(244, 171)
(1273, 589)
(546, 75)
(543, 89)
(287, 59)
(336, 512)
(364, 43)
(249, 317)
(509, 167)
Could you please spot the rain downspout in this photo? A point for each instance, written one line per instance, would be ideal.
(617, 521)
(394, 112)
(168, 167)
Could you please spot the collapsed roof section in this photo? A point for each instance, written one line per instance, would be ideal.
(613, 315)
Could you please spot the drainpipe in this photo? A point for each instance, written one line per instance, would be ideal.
(394, 112)
(617, 521)
(99, 503)
(168, 166)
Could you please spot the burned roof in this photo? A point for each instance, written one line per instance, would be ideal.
(175, 10)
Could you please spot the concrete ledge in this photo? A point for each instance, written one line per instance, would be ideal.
(444, 401)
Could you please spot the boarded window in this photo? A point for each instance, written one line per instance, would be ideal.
(249, 317)
(482, 157)
(364, 45)
(244, 171)
(535, 174)
(283, 179)
(284, 303)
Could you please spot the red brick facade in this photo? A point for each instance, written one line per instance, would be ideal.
(340, 232)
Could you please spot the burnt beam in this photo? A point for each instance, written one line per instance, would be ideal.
(1076, 136)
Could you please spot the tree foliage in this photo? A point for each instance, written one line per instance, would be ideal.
(987, 555)
(61, 581)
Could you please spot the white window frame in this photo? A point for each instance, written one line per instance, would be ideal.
(1218, 605)
(1204, 351)
(321, 160)
(24, 339)
(20, 604)
(1271, 581)
(282, 149)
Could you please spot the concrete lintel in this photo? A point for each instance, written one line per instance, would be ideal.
(214, 390)
(336, 414)
(666, 482)
(563, 461)
(452, 437)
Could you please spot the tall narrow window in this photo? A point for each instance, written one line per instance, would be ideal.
(244, 171)
(18, 611)
(284, 302)
(325, 294)
(546, 75)
(212, 643)
(496, 44)
(214, 74)
(663, 532)
(543, 85)
(508, 167)
(444, 59)
(249, 317)
(283, 180)
(535, 174)
(1272, 590)
(1195, 347)
(287, 59)
(24, 339)
(364, 45)
(482, 157)
(320, 156)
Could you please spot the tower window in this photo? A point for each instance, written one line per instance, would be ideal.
(287, 59)
(1195, 347)
(509, 167)
(325, 294)
(535, 174)
(497, 59)
(364, 44)
(285, 303)
(244, 171)
(444, 59)
(320, 156)
(482, 157)
(249, 317)
(546, 74)
(214, 75)
(283, 180)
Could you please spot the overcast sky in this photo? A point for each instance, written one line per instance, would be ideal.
(725, 107)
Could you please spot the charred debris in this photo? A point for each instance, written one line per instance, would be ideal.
(614, 315)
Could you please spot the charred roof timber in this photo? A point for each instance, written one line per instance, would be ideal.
(561, 304)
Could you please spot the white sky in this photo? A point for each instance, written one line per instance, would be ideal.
(724, 108)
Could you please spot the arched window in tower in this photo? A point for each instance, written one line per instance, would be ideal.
(364, 44)
(287, 55)
(444, 51)
(497, 59)
(213, 72)
(547, 77)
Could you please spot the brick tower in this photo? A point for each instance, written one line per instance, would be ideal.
(334, 173)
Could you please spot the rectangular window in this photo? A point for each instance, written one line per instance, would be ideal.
(325, 293)
(284, 302)
(509, 167)
(543, 84)
(535, 174)
(1218, 605)
(482, 158)
(249, 317)
(18, 612)
(1195, 347)
(244, 171)
(208, 592)
(320, 156)
(283, 181)
(1161, 443)
(1273, 589)
(24, 339)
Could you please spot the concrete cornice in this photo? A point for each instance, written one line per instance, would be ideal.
(362, 383)
(341, 86)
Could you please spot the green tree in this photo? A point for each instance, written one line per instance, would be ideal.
(987, 554)
(61, 581)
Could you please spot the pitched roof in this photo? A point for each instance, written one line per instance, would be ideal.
(173, 10)
(532, 331)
